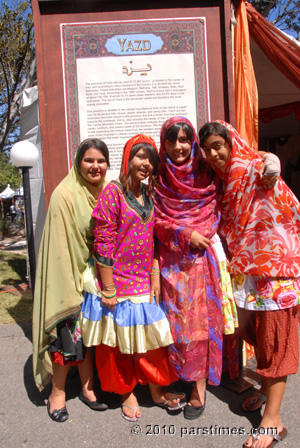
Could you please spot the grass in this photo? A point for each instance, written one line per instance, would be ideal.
(14, 309)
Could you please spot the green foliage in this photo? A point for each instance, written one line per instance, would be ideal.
(9, 174)
(14, 308)
(17, 66)
(285, 14)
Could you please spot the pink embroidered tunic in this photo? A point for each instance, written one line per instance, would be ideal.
(124, 240)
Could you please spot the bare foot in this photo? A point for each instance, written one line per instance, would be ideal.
(264, 437)
(133, 410)
(171, 400)
(159, 396)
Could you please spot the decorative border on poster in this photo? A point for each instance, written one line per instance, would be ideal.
(95, 40)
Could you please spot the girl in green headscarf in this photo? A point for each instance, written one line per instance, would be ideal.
(63, 257)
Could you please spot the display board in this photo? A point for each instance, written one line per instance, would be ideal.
(108, 70)
(124, 78)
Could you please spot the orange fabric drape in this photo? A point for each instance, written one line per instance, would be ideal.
(282, 51)
(246, 95)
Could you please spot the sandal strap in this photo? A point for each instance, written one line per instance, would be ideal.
(130, 407)
(176, 393)
(176, 397)
(261, 431)
(277, 437)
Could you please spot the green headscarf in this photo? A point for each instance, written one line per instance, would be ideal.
(63, 257)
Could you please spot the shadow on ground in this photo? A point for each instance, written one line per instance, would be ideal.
(234, 401)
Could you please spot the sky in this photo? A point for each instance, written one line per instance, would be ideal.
(272, 16)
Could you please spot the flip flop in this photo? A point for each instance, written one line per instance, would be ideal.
(126, 417)
(253, 400)
(258, 432)
(182, 403)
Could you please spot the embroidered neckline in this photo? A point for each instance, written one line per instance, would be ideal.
(134, 204)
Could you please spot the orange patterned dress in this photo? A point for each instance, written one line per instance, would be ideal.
(262, 228)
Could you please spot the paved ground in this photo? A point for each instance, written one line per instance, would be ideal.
(24, 421)
(14, 242)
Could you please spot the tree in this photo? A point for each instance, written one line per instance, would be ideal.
(285, 14)
(9, 174)
(17, 66)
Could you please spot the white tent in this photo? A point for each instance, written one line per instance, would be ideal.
(19, 192)
(7, 193)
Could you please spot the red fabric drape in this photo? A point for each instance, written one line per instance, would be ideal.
(271, 113)
(280, 50)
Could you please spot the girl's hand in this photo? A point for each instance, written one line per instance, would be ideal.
(109, 303)
(270, 170)
(155, 288)
(199, 241)
(267, 180)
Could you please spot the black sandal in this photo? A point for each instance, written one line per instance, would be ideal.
(58, 415)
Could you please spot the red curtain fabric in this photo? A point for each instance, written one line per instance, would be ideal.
(271, 113)
(282, 51)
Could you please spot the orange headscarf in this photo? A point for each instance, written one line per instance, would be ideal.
(139, 138)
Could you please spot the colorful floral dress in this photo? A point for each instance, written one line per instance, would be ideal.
(262, 229)
(196, 286)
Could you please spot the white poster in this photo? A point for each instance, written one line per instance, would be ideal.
(126, 78)
(123, 96)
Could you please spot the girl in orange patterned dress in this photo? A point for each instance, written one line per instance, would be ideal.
(262, 228)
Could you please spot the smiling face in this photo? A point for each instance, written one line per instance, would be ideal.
(93, 166)
(217, 151)
(140, 166)
(179, 150)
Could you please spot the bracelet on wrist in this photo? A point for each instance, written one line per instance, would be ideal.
(109, 296)
(107, 287)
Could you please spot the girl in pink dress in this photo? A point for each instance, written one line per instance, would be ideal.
(128, 324)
